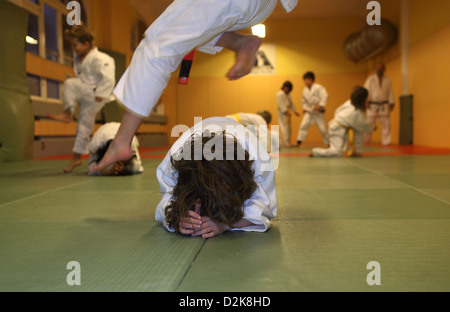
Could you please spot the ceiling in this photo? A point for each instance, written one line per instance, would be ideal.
(151, 9)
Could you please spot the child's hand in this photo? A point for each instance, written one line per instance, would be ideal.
(210, 228)
(191, 224)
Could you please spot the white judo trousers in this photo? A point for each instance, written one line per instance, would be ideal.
(76, 91)
(309, 119)
(183, 26)
(346, 117)
(339, 139)
(284, 104)
(316, 95)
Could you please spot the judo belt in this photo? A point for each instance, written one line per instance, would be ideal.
(238, 118)
(351, 138)
(379, 103)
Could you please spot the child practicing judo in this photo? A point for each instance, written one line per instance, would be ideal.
(92, 89)
(314, 100)
(257, 123)
(285, 109)
(216, 178)
(100, 143)
(206, 25)
(348, 117)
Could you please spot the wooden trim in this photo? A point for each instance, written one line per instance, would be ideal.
(55, 128)
(44, 68)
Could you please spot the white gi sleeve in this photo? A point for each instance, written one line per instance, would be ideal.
(283, 102)
(262, 205)
(323, 96)
(106, 70)
(360, 123)
(167, 179)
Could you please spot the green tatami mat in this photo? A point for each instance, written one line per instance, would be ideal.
(324, 255)
(113, 256)
(334, 217)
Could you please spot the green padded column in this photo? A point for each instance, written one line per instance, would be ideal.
(16, 115)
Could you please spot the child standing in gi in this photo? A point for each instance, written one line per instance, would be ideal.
(207, 25)
(348, 117)
(92, 89)
(314, 100)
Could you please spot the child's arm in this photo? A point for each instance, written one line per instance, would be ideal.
(105, 68)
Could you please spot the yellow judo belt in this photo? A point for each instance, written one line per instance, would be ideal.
(351, 138)
(238, 118)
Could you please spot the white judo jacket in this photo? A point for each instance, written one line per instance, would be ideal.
(97, 70)
(317, 95)
(348, 116)
(259, 208)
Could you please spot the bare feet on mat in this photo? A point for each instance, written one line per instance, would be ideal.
(116, 152)
(73, 164)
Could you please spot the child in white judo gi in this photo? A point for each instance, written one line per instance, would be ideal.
(285, 109)
(314, 100)
(100, 143)
(216, 178)
(348, 117)
(208, 26)
(258, 124)
(92, 89)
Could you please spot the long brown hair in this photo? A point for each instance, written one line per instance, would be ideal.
(222, 185)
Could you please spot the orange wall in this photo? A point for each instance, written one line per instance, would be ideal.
(429, 72)
(310, 44)
(429, 83)
(307, 44)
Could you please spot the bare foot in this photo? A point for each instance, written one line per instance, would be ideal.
(73, 164)
(66, 118)
(246, 48)
(116, 152)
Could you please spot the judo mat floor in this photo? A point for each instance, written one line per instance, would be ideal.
(335, 216)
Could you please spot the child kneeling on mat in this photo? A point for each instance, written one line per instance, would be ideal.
(214, 180)
(347, 127)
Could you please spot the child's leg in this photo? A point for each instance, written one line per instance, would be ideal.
(183, 26)
(322, 125)
(74, 162)
(304, 127)
(85, 127)
(73, 90)
(337, 142)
